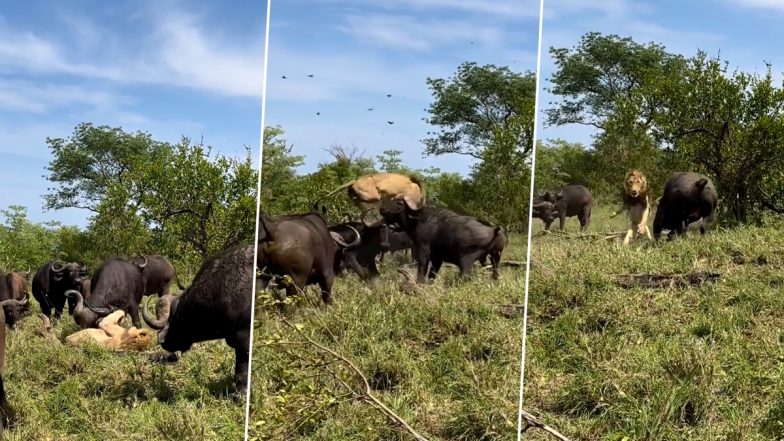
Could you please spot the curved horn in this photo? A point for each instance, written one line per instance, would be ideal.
(164, 306)
(13, 302)
(57, 266)
(142, 265)
(27, 273)
(84, 317)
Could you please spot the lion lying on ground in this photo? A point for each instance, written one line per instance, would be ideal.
(636, 201)
(110, 335)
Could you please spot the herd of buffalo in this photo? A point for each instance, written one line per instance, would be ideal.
(687, 197)
(217, 304)
(394, 216)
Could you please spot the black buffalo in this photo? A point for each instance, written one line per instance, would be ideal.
(117, 284)
(440, 235)
(398, 241)
(687, 198)
(51, 282)
(544, 208)
(358, 246)
(301, 247)
(158, 274)
(6, 411)
(216, 306)
(573, 200)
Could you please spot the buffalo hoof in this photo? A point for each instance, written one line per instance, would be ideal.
(164, 357)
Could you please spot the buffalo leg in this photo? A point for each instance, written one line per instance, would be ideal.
(325, 283)
(133, 311)
(561, 220)
(59, 304)
(466, 264)
(351, 261)
(423, 260)
(241, 345)
(495, 260)
(164, 289)
(435, 266)
(585, 217)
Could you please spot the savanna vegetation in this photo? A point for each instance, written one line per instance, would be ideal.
(141, 196)
(605, 360)
(444, 357)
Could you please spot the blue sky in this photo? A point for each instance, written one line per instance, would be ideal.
(170, 68)
(747, 32)
(359, 51)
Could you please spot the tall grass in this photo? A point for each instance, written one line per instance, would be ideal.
(444, 357)
(697, 363)
(64, 393)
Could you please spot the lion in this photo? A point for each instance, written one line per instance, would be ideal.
(636, 201)
(112, 336)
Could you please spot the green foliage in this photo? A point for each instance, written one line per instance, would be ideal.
(661, 112)
(593, 76)
(152, 197)
(26, 245)
(481, 106)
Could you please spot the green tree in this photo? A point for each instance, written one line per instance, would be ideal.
(153, 197)
(479, 107)
(599, 71)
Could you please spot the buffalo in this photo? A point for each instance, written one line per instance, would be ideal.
(687, 198)
(358, 246)
(544, 208)
(398, 241)
(216, 306)
(301, 247)
(51, 282)
(573, 200)
(16, 285)
(158, 274)
(6, 411)
(117, 284)
(440, 235)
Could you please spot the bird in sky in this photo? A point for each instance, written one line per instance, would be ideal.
(389, 95)
(390, 122)
(310, 76)
(318, 113)
(370, 109)
(284, 77)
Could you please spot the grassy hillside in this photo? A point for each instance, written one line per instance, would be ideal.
(445, 358)
(66, 393)
(696, 363)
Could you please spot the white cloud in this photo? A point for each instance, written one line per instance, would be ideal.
(28, 96)
(180, 52)
(503, 8)
(409, 33)
(760, 4)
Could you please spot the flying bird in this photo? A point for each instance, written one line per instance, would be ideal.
(318, 113)
(370, 109)
(390, 122)
(310, 76)
(389, 95)
(284, 77)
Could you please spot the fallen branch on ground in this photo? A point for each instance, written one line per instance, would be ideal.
(510, 310)
(666, 280)
(531, 421)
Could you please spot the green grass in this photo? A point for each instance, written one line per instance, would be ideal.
(444, 359)
(64, 393)
(697, 363)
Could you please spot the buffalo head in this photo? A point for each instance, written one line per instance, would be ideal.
(168, 337)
